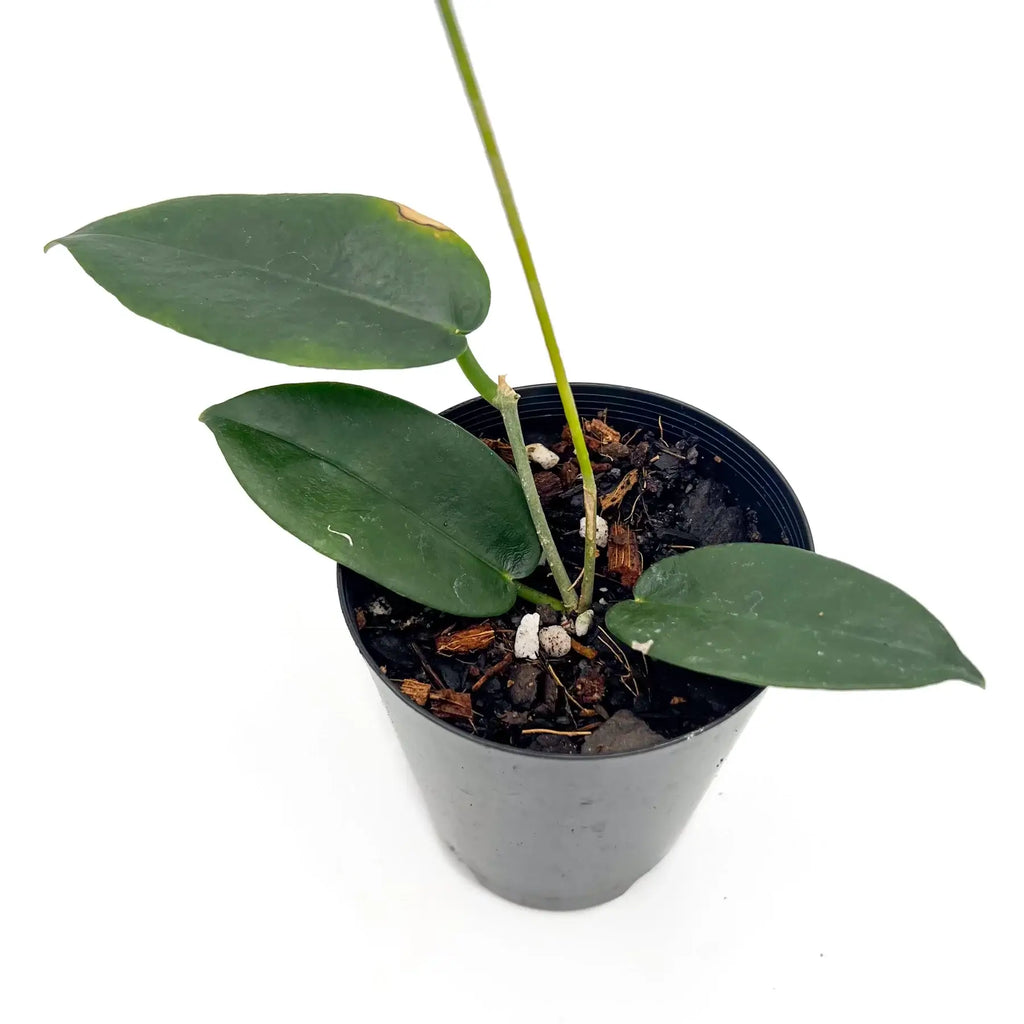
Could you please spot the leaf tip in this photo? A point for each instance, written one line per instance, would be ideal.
(973, 676)
(49, 245)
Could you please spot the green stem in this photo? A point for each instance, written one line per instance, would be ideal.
(506, 401)
(538, 598)
(477, 376)
(483, 123)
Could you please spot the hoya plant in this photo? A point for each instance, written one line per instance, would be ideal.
(417, 504)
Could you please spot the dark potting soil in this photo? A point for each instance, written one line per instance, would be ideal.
(601, 697)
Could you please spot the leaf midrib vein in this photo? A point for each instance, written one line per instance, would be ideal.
(789, 627)
(449, 328)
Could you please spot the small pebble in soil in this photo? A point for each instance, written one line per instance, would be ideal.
(621, 733)
(527, 643)
(601, 535)
(555, 642)
(544, 457)
(584, 622)
(522, 689)
(379, 606)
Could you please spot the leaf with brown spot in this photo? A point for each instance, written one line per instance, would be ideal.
(338, 281)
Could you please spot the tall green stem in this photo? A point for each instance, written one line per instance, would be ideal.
(483, 123)
(506, 401)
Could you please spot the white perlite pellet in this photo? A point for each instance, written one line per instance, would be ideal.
(527, 644)
(544, 457)
(555, 642)
(601, 530)
(584, 622)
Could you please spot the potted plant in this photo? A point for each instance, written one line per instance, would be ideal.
(564, 692)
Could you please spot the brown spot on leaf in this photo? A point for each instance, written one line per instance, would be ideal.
(408, 213)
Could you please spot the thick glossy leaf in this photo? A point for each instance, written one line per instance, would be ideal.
(340, 281)
(385, 487)
(779, 616)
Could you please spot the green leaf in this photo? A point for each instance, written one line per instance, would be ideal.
(384, 487)
(338, 281)
(779, 616)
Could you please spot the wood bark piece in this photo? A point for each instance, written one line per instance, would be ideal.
(416, 691)
(592, 442)
(464, 641)
(614, 498)
(547, 483)
(494, 670)
(449, 704)
(601, 432)
(614, 450)
(568, 473)
(624, 555)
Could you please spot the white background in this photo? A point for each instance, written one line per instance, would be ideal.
(805, 218)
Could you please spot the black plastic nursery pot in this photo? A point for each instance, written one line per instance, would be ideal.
(563, 832)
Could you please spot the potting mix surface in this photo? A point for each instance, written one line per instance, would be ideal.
(601, 696)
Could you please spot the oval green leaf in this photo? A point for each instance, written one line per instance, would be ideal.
(384, 487)
(337, 281)
(779, 616)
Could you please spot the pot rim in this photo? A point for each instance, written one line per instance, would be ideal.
(348, 611)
